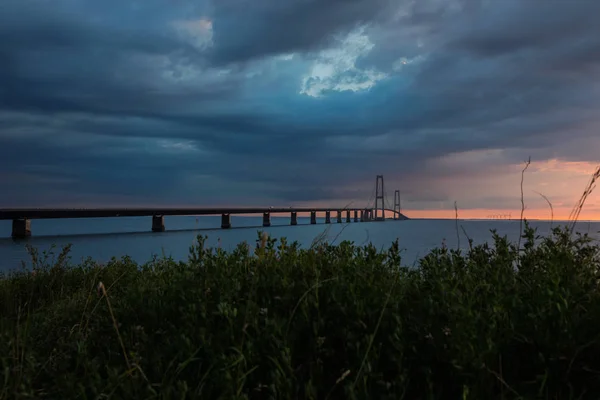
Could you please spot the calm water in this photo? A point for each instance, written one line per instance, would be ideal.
(104, 238)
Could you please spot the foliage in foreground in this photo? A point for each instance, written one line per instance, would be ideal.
(328, 322)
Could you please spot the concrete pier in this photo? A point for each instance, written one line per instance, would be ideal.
(225, 221)
(313, 217)
(266, 219)
(348, 216)
(158, 223)
(327, 217)
(362, 215)
(21, 228)
(339, 217)
(355, 216)
(294, 218)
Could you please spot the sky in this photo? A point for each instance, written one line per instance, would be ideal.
(300, 103)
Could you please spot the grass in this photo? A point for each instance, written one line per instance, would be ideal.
(275, 321)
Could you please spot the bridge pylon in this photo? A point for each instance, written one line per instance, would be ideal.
(379, 198)
(397, 204)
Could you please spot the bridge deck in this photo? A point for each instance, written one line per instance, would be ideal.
(55, 213)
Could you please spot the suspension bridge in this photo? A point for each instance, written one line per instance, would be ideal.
(375, 210)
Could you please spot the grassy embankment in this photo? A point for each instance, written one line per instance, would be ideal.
(339, 321)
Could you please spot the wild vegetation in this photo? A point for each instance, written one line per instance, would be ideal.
(277, 321)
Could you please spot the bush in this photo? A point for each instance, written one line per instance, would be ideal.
(327, 322)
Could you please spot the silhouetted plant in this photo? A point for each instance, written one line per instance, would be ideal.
(341, 321)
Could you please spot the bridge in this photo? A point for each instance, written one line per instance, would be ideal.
(21, 217)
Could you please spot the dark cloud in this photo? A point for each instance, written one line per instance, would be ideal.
(514, 26)
(246, 30)
(204, 101)
(61, 60)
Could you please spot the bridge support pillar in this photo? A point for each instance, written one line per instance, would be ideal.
(266, 219)
(294, 218)
(327, 217)
(158, 223)
(348, 216)
(313, 217)
(226, 221)
(339, 217)
(21, 228)
(355, 215)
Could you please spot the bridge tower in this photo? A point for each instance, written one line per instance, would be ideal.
(397, 204)
(379, 190)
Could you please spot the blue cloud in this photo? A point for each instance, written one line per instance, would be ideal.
(276, 101)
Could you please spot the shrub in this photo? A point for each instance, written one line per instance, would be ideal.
(278, 321)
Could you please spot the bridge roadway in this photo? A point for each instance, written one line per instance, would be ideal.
(21, 217)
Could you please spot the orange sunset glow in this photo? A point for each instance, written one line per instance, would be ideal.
(561, 182)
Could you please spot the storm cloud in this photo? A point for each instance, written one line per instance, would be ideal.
(245, 102)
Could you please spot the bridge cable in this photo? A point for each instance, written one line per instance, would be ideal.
(387, 202)
(372, 196)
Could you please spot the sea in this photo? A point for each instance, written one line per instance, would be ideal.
(104, 238)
